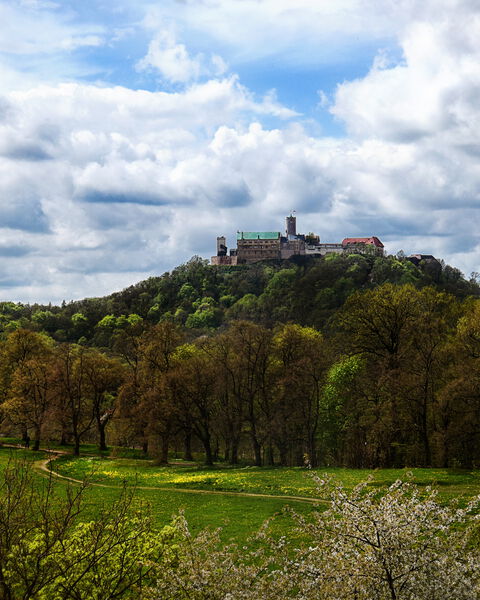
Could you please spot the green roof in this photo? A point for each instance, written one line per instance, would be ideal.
(258, 235)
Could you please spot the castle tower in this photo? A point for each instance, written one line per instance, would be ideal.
(221, 246)
(291, 222)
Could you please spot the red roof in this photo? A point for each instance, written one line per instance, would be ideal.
(370, 240)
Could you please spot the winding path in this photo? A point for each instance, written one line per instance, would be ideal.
(42, 467)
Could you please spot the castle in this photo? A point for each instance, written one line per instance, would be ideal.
(253, 246)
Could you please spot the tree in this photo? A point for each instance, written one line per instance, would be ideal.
(48, 553)
(157, 394)
(246, 368)
(399, 545)
(300, 360)
(133, 421)
(32, 395)
(75, 407)
(401, 334)
(194, 379)
(103, 377)
(230, 408)
(25, 364)
(379, 322)
(458, 408)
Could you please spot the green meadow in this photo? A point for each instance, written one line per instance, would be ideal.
(236, 499)
(276, 481)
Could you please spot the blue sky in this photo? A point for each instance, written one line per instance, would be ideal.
(133, 133)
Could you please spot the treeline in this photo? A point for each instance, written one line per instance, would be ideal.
(393, 381)
(307, 291)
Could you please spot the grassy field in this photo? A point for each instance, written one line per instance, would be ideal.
(218, 496)
(238, 517)
(255, 480)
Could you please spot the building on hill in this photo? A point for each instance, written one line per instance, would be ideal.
(253, 246)
(428, 264)
(416, 259)
(372, 244)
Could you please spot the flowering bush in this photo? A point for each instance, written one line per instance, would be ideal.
(399, 544)
(366, 545)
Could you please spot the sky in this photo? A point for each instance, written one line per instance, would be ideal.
(133, 133)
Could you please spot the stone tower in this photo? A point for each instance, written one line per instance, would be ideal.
(221, 246)
(291, 222)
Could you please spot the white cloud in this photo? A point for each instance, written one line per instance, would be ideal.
(90, 168)
(36, 28)
(305, 31)
(432, 92)
(173, 62)
(171, 59)
(101, 186)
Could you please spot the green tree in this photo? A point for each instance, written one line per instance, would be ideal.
(103, 378)
(300, 361)
(31, 396)
(48, 553)
(157, 394)
(21, 351)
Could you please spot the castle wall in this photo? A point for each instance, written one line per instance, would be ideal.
(249, 251)
(253, 246)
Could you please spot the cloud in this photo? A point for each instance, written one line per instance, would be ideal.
(103, 185)
(302, 32)
(14, 251)
(174, 63)
(24, 213)
(38, 28)
(431, 92)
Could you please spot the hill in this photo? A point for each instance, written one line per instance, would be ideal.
(307, 291)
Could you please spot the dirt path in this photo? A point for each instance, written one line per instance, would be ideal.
(42, 467)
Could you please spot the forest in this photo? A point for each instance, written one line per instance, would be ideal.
(351, 361)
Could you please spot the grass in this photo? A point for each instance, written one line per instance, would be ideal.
(257, 480)
(90, 449)
(239, 516)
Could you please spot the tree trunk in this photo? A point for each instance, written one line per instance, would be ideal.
(424, 428)
(101, 434)
(283, 452)
(234, 453)
(36, 443)
(208, 451)
(257, 451)
(226, 455)
(164, 449)
(216, 450)
(270, 457)
(63, 437)
(312, 451)
(187, 454)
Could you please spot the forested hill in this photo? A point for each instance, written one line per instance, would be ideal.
(307, 291)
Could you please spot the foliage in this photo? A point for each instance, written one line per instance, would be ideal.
(307, 291)
(367, 543)
(399, 545)
(47, 552)
(271, 380)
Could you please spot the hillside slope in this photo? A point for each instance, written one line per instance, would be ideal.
(307, 291)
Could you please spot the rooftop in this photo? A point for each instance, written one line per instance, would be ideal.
(258, 235)
(367, 240)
